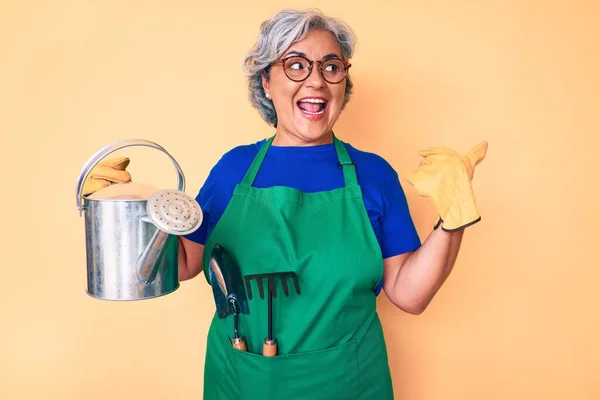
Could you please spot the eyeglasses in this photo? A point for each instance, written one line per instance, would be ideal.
(298, 68)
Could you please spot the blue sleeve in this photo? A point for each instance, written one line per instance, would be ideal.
(209, 198)
(203, 199)
(398, 232)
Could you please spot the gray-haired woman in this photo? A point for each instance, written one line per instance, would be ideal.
(305, 202)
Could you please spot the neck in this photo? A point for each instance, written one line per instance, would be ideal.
(283, 138)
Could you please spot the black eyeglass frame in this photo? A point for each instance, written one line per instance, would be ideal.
(311, 63)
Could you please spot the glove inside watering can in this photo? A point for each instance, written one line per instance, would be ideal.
(107, 172)
(109, 179)
(445, 176)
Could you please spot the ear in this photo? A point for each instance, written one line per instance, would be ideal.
(477, 154)
(265, 82)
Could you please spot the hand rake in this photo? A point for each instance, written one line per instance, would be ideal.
(270, 343)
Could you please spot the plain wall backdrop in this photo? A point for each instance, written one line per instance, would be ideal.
(517, 319)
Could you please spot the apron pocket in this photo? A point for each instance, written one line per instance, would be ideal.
(328, 374)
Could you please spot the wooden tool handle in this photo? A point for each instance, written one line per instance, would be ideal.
(240, 344)
(270, 348)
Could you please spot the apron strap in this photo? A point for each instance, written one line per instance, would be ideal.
(344, 162)
(255, 166)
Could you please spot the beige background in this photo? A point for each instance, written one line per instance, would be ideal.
(518, 319)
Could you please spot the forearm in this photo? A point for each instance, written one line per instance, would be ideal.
(423, 273)
(182, 262)
(189, 259)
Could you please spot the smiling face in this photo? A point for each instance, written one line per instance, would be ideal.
(308, 110)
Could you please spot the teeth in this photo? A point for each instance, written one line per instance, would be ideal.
(314, 113)
(321, 101)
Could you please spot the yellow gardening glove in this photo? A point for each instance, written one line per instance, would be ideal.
(107, 172)
(444, 177)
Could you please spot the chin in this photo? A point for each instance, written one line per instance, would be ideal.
(315, 134)
(308, 129)
(315, 131)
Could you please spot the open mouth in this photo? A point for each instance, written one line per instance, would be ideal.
(312, 105)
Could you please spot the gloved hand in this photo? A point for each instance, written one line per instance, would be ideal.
(444, 177)
(107, 172)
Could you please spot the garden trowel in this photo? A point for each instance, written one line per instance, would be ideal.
(228, 290)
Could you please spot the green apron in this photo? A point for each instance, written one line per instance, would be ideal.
(330, 340)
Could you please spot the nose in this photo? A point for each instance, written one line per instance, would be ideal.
(315, 80)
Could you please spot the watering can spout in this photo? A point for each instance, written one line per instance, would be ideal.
(151, 257)
(173, 214)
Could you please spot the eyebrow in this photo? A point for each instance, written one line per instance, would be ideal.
(299, 53)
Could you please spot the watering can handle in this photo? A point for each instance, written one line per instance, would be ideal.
(112, 147)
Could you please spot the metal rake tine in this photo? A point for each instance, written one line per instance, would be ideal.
(261, 289)
(259, 283)
(296, 283)
(284, 284)
(248, 286)
(271, 283)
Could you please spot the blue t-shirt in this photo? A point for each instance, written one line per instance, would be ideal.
(313, 169)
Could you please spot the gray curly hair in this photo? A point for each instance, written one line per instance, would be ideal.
(276, 35)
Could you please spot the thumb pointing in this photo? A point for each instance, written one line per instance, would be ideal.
(477, 154)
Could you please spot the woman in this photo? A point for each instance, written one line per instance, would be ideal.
(304, 201)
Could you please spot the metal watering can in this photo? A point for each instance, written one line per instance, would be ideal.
(131, 238)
